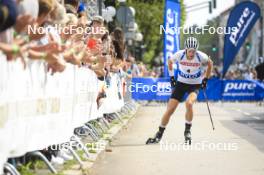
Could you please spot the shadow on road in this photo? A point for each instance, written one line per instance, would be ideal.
(251, 130)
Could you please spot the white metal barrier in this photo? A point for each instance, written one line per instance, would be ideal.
(38, 110)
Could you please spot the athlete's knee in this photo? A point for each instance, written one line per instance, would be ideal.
(189, 104)
(171, 109)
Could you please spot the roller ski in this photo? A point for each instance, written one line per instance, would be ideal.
(157, 137)
(187, 136)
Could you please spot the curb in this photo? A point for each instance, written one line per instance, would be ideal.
(76, 169)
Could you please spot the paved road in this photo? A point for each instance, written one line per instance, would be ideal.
(235, 147)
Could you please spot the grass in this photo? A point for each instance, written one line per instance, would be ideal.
(92, 151)
(25, 169)
(126, 117)
(81, 155)
(91, 145)
(39, 165)
(115, 122)
(68, 164)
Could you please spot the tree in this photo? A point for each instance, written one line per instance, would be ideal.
(149, 17)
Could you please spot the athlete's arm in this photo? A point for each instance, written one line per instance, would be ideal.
(209, 68)
(174, 59)
(170, 64)
(206, 61)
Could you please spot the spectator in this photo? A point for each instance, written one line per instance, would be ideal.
(132, 67)
(118, 42)
(8, 14)
(71, 6)
(81, 10)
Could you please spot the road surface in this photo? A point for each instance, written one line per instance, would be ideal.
(235, 147)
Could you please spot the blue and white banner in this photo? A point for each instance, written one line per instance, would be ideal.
(228, 90)
(241, 20)
(150, 88)
(171, 34)
(239, 90)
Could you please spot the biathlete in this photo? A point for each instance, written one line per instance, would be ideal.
(190, 79)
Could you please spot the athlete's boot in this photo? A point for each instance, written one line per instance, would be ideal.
(187, 134)
(157, 137)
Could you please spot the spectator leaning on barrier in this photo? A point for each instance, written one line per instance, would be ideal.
(48, 47)
(72, 6)
(52, 46)
(8, 14)
(12, 39)
(81, 42)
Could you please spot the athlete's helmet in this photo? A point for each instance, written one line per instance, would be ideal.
(191, 42)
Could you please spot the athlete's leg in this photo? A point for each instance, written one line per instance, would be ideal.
(172, 105)
(189, 106)
(189, 116)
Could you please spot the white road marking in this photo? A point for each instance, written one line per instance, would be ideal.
(256, 117)
(246, 113)
(238, 110)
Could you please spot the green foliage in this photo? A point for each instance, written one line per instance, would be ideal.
(92, 151)
(149, 17)
(26, 169)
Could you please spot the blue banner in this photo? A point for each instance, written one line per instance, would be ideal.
(171, 34)
(241, 20)
(227, 90)
(151, 88)
(239, 90)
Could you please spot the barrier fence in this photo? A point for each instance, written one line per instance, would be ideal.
(227, 90)
(38, 110)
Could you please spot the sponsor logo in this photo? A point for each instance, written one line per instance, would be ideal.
(190, 76)
(172, 40)
(239, 87)
(243, 23)
(184, 63)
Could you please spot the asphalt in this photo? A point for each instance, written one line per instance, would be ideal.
(235, 147)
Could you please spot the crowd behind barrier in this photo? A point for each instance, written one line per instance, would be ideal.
(39, 110)
(63, 73)
(63, 82)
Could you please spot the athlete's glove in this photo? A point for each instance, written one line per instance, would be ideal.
(173, 82)
(204, 83)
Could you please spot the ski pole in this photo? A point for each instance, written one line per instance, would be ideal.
(206, 99)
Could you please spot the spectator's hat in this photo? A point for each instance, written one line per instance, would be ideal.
(60, 16)
(81, 8)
